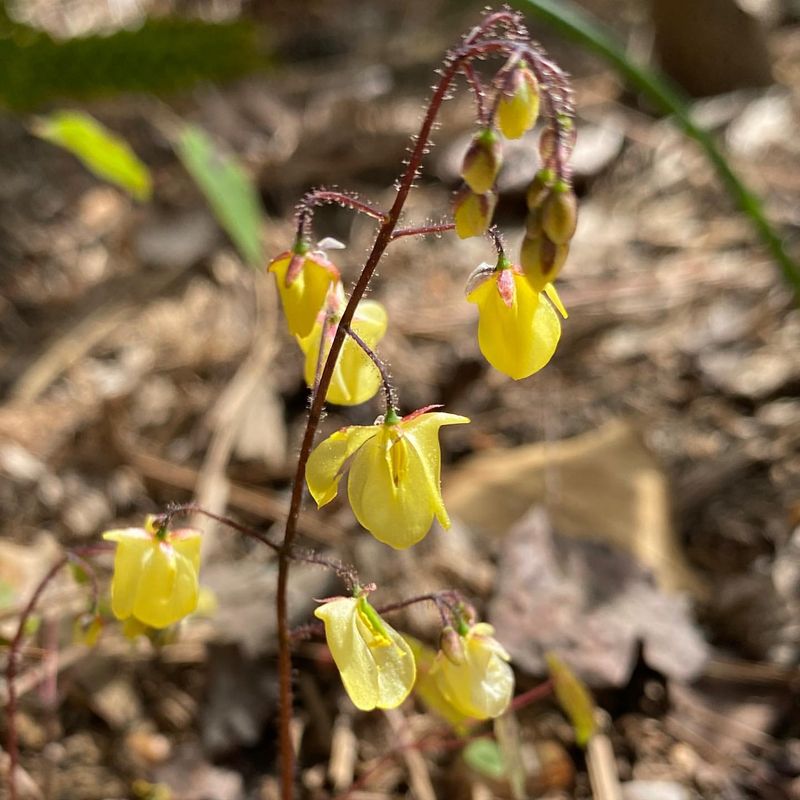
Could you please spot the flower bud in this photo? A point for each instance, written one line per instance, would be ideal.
(541, 260)
(560, 213)
(539, 188)
(482, 161)
(518, 107)
(473, 212)
(547, 142)
(452, 645)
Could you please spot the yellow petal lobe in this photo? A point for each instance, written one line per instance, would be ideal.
(327, 462)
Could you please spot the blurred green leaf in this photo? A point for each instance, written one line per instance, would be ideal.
(228, 189)
(162, 55)
(102, 152)
(484, 756)
(7, 594)
(573, 697)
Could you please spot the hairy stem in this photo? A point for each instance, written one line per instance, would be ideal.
(12, 745)
(319, 197)
(388, 389)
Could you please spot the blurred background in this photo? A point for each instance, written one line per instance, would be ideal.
(634, 507)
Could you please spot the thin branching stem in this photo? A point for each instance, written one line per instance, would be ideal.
(380, 365)
(424, 230)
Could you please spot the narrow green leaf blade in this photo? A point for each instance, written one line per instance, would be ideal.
(574, 698)
(230, 192)
(102, 152)
(577, 24)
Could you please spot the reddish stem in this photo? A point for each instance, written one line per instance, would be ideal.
(424, 230)
(12, 745)
(472, 47)
(318, 197)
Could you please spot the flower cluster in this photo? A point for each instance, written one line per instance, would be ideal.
(312, 296)
(467, 680)
(519, 329)
(393, 466)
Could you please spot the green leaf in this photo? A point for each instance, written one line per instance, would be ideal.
(574, 698)
(230, 192)
(162, 55)
(102, 152)
(484, 756)
(578, 25)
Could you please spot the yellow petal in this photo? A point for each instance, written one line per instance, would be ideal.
(552, 295)
(389, 490)
(517, 340)
(327, 462)
(158, 577)
(128, 560)
(304, 298)
(422, 433)
(427, 688)
(378, 671)
(517, 111)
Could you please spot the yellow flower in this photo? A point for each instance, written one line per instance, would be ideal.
(155, 574)
(518, 107)
(518, 330)
(375, 662)
(394, 484)
(355, 378)
(481, 685)
(303, 281)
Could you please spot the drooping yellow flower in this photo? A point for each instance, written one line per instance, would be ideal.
(155, 574)
(518, 329)
(355, 378)
(427, 688)
(375, 662)
(303, 280)
(394, 482)
(481, 685)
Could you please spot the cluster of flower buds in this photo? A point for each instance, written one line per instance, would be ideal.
(549, 228)
(517, 110)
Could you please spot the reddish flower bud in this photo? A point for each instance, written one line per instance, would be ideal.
(452, 645)
(482, 161)
(560, 213)
(547, 144)
(539, 188)
(541, 260)
(473, 212)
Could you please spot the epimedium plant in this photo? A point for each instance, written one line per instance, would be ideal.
(393, 466)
